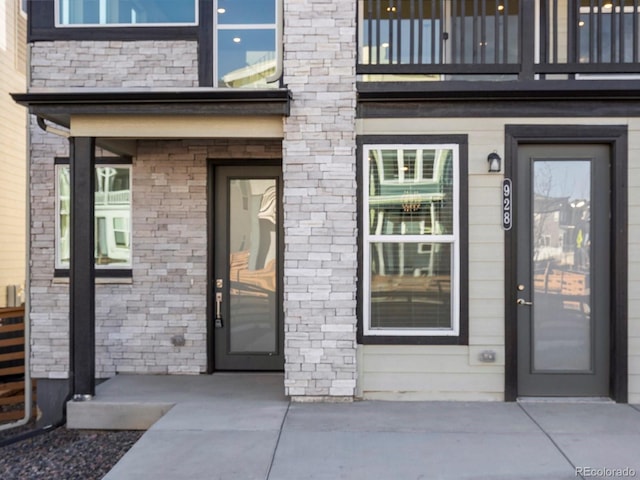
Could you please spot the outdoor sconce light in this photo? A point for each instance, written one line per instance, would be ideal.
(495, 162)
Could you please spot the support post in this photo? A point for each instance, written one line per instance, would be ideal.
(528, 44)
(82, 268)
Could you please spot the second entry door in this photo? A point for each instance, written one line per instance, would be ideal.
(562, 200)
(247, 292)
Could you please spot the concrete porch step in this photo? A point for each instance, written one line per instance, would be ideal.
(136, 402)
(104, 415)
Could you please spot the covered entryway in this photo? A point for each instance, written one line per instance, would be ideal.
(160, 307)
(563, 265)
(247, 251)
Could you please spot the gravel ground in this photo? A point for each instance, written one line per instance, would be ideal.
(62, 454)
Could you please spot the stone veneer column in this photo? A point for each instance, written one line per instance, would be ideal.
(319, 168)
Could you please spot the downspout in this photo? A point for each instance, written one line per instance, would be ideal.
(279, 42)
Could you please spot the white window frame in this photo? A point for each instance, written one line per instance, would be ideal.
(115, 266)
(59, 24)
(453, 240)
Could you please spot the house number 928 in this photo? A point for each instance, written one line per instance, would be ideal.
(507, 204)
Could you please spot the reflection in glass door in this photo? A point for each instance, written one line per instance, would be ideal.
(252, 265)
(247, 316)
(561, 258)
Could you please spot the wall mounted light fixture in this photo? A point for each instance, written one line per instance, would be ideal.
(495, 162)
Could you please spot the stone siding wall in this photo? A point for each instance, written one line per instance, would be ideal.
(319, 169)
(108, 64)
(166, 295)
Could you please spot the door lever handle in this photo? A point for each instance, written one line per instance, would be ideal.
(522, 301)
(218, 320)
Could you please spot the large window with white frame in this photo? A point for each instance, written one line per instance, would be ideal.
(112, 224)
(126, 12)
(411, 240)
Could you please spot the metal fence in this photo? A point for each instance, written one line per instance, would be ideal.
(12, 364)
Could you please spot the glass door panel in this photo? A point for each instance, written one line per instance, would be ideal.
(562, 199)
(561, 254)
(252, 265)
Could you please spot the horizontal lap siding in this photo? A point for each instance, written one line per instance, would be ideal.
(454, 372)
(426, 373)
(634, 262)
(13, 119)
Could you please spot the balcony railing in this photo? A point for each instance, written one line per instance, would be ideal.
(498, 39)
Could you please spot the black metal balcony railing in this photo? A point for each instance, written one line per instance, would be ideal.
(506, 38)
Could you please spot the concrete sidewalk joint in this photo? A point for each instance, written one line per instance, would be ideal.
(275, 448)
(555, 444)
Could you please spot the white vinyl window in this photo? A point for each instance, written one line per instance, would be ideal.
(411, 246)
(112, 216)
(113, 13)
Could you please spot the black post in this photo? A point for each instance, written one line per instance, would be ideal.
(82, 268)
(528, 41)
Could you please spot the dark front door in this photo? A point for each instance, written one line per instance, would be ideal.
(246, 286)
(562, 202)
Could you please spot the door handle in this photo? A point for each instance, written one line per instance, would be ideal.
(218, 322)
(522, 301)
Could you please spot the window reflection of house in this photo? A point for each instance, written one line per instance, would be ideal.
(253, 245)
(252, 264)
(410, 195)
(112, 215)
(411, 231)
(253, 75)
(561, 230)
(113, 200)
(561, 252)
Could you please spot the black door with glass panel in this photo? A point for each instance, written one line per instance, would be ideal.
(246, 286)
(562, 201)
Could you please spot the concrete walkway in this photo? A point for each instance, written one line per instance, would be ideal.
(240, 426)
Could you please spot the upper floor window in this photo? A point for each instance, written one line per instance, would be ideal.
(126, 12)
(245, 39)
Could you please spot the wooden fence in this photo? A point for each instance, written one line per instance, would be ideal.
(12, 365)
